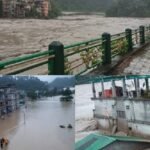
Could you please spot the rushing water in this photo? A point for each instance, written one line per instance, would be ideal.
(37, 127)
(23, 36)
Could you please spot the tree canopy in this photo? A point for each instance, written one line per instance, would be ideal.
(129, 8)
(83, 5)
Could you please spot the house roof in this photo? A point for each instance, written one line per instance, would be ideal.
(98, 142)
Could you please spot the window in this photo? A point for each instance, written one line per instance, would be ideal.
(127, 107)
(121, 114)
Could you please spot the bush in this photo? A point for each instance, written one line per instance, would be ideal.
(55, 11)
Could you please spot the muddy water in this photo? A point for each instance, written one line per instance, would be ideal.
(83, 111)
(37, 127)
(23, 36)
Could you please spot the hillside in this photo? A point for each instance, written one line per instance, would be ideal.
(25, 83)
(83, 5)
(129, 8)
(62, 82)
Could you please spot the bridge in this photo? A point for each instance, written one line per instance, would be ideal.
(126, 52)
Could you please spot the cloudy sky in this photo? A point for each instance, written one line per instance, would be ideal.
(50, 78)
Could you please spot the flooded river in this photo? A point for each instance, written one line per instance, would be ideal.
(37, 127)
(83, 111)
(23, 36)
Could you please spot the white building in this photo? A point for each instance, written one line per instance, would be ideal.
(120, 108)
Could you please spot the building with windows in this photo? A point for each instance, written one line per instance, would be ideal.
(125, 106)
(20, 8)
(121, 103)
(9, 99)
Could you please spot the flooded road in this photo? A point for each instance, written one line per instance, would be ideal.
(24, 36)
(37, 127)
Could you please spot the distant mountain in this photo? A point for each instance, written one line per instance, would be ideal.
(83, 5)
(60, 83)
(26, 83)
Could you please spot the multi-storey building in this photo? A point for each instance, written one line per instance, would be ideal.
(9, 99)
(124, 108)
(19, 8)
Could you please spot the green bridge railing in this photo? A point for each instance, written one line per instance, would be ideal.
(97, 79)
(79, 58)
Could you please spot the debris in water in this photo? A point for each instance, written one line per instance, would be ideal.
(70, 126)
(62, 126)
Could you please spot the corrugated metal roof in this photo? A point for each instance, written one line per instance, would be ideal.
(94, 142)
(98, 142)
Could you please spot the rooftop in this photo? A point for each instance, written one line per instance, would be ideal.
(102, 142)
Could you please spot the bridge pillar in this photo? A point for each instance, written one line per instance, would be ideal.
(137, 87)
(113, 88)
(106, 44)
(147, 84)
(124, 88)
(57, 65)
(103, 89)
(129, 39)
(94, 90)
(142, 35)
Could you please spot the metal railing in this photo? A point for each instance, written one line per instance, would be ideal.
(97, 79)
(82, 57)
(79, 58)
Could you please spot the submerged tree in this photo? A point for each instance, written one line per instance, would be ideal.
(67, 95)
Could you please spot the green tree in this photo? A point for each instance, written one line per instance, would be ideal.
(32, 95)
(129, 8)
(54, 11)
(67, 95)
(1, 8)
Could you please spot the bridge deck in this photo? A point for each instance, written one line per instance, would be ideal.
(136, 63)
(139, 63)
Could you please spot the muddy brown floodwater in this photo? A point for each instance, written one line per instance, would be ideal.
(23, 36)
(39, 128)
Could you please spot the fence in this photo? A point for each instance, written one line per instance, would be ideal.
(97, 79)
(79, 58)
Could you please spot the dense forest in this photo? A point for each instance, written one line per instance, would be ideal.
(112, 8)
(83, 5)
(129, 8)
(31, 85)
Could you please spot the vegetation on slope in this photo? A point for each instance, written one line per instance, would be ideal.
(129, 8)
(31, 85)
(83, 5)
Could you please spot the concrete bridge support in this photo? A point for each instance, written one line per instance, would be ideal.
(124, 88)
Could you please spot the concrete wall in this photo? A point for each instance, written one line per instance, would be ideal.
(135, 121)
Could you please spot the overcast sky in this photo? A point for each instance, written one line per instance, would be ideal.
(51, 77)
